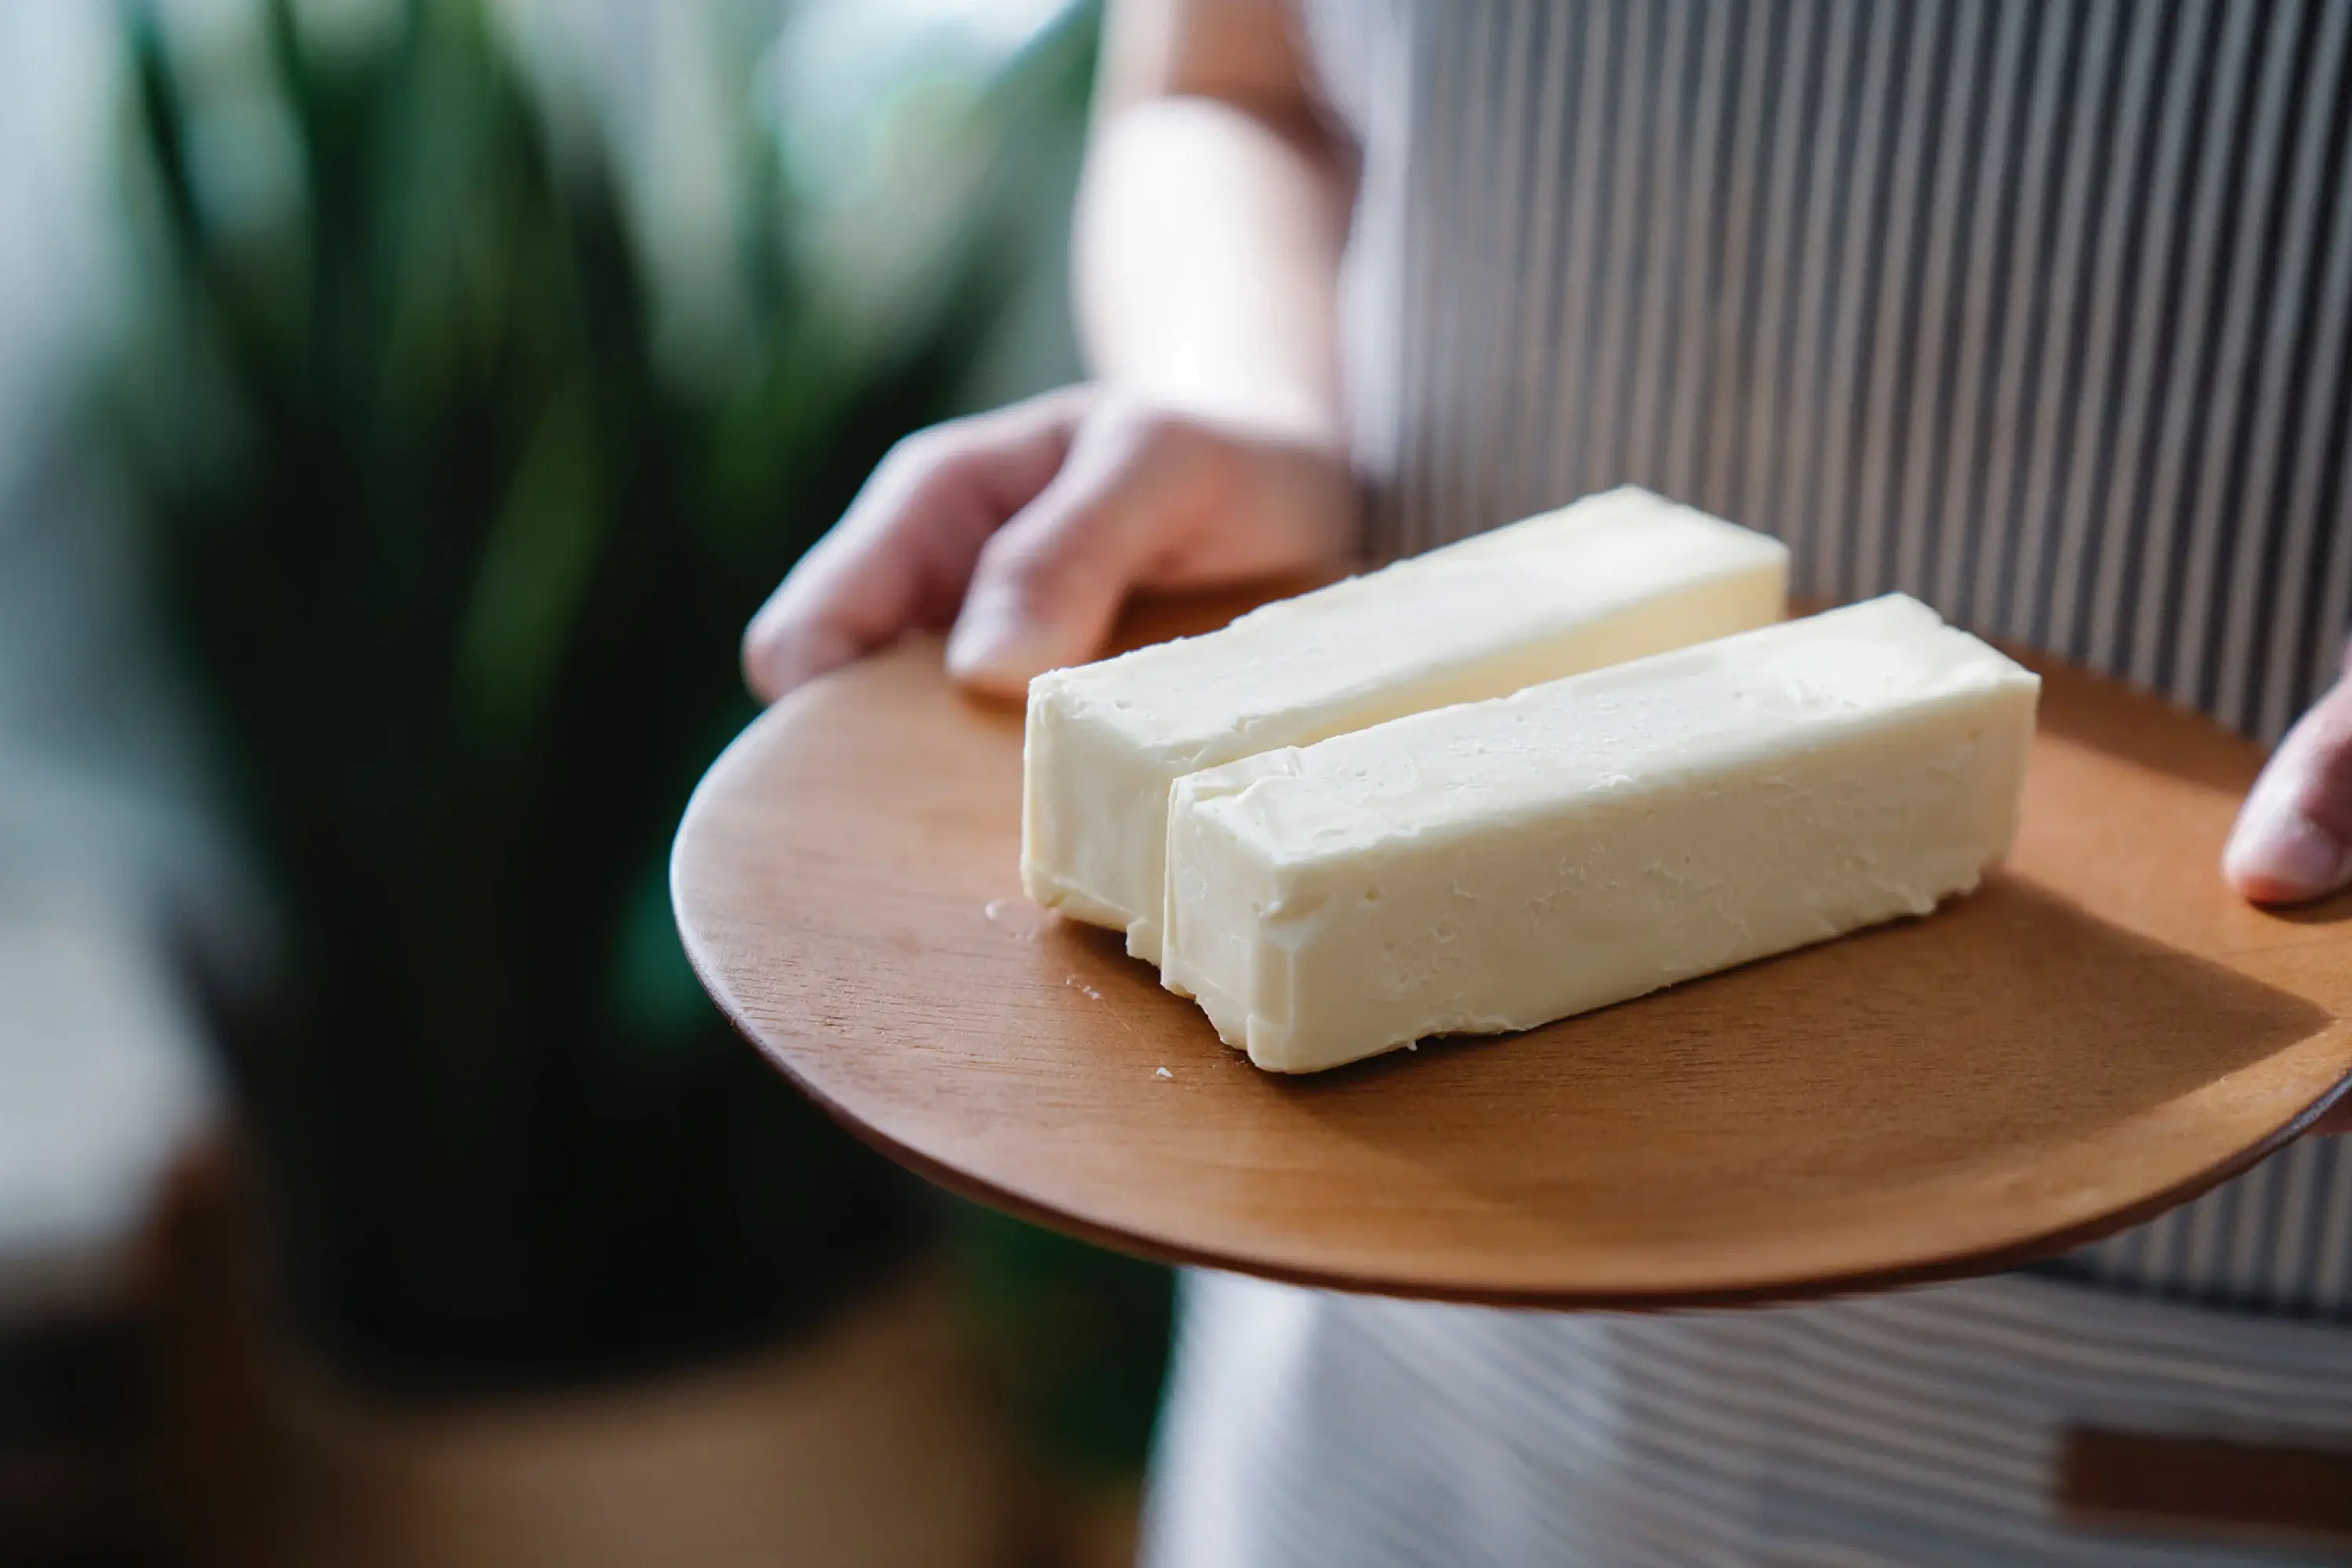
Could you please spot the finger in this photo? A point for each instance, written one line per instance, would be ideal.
(1297, 512)
(901, 555)
(1049, 583)
(2294, 837)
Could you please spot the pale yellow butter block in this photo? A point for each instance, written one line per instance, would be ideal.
(1612, 577)
(1503, 864)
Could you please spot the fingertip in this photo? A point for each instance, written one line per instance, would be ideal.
(1003, 682)
(2278, 855)
(1036, 602)
(777, 661)
(762, 669)
(995, 651)
(761, 675)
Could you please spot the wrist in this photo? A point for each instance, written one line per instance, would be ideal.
(1263, 412)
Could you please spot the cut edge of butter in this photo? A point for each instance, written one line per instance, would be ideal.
(1505, 864)
(1611, 578)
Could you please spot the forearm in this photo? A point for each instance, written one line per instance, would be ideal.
(1211, 220)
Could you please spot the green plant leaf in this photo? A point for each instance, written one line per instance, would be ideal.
(524, 606)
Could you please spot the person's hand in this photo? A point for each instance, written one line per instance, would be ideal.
(1024, 529)
(2294, 839)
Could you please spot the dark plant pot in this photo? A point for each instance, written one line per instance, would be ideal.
(610, 1235)
(870, 1438)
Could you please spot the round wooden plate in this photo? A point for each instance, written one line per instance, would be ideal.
(2100, 1031)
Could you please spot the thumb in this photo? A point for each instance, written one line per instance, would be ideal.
(2294, 836)
(1049, 583)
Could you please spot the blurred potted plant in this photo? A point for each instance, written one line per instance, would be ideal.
(460, 559)
(461, 571)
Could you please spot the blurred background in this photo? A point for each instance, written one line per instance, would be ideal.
(402, 404)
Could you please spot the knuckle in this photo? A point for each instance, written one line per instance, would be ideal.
(1130, 428)
(1064, 406)
(923, 454)
(1035, 568)
(1157, 462)
(1040, 567)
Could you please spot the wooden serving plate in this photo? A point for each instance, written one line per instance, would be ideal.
(2099, 1031)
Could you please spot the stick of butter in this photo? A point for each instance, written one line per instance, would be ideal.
(1612, 577)
(1499, 865)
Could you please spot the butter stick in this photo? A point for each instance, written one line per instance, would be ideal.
(1500, 865)
(1612, 577)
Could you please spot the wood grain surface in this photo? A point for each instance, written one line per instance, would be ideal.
(2100, 1031)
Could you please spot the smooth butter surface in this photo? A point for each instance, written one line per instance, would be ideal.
(1500, 865)
(1612, 577)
